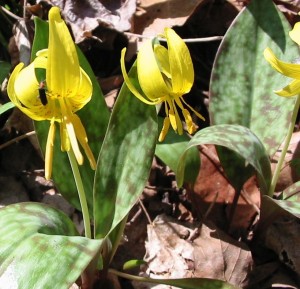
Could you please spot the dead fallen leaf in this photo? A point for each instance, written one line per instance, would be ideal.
(20, 43)
(154, 15)
(86, 15)
(213, 189)
(211, 255)
(283, 237)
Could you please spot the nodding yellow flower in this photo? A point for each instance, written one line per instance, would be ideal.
(165, 75)
(291, 70)
(66, 89)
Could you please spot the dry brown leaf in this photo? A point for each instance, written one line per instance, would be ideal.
(86, 15)
(283, 237)
(154, 15)
(211, 255)
(213, 189)
(20, 43)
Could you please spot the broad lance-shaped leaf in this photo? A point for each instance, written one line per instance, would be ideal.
(40, 248)
(184, 283)
(125, 159)
(243, 81)
(292, 193)
(290, 203)
(238, 139)
(94, 117)
(4, 70)
(5, 107)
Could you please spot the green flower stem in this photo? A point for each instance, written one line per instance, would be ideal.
(285, 147)
(81, 193)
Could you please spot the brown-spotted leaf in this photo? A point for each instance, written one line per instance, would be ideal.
(243, 82)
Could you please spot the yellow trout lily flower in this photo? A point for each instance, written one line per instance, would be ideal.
(165, 75)
(66, 89)
(291, 70)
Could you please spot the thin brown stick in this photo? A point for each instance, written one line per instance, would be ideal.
(145, 211)
(187, 40)
(6, 11)
(16, 139)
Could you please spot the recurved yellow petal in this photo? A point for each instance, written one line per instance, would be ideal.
(23, 92)
(11, 84)
(63, 71)
(293, 88)
(130, 85)
(287, 69)
(150, 77)
(181, 65)
(83, 94)
(161, 54)
(295, 33)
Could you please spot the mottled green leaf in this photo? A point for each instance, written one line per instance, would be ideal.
(5, 107)
(41, 35)
(185, 283)
(289, 206)
(4, 70)
(292, 193)
(243, 82)
(238, 139)
(195, 283)
(40, 248)
(94, 117)
(170, 150)
(272, 209)
(125, 159)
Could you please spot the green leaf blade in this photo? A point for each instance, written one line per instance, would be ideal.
(185, 283)
(40, 248)
(125, 159)
(4, 70)
(5, 107)
(238, 139)
(243, 82)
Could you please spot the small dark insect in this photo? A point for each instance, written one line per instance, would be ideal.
(42, 93)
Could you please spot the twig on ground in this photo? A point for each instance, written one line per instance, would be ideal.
(187, 40)
(16, 139)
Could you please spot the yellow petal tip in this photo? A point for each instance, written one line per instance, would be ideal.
(54, 14)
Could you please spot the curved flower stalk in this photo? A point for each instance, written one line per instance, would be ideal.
(165, 75)
(66, 89)
(291, 70)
